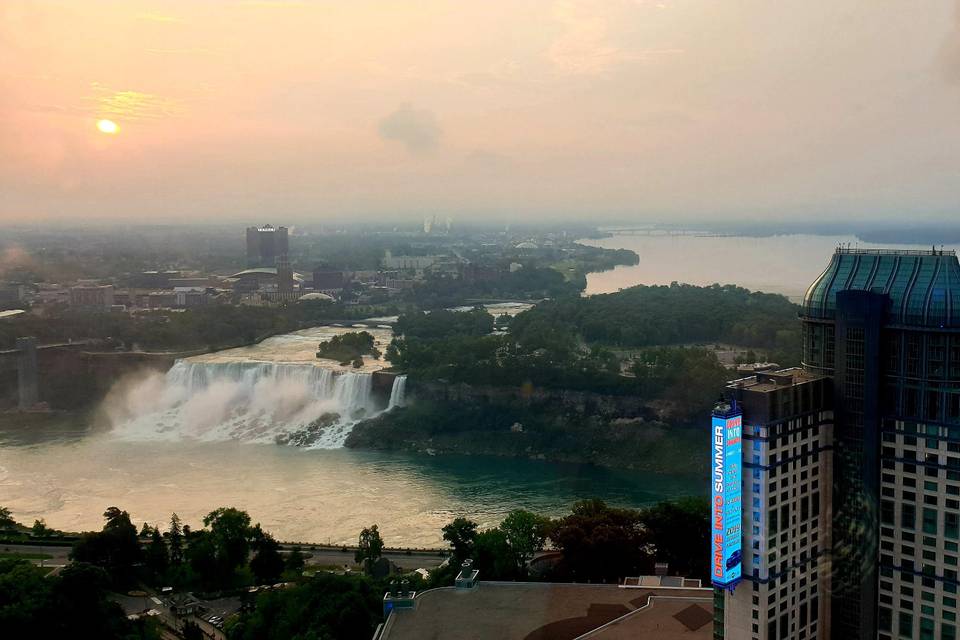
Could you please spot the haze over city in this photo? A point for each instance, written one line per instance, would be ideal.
(503, 320)
(637, 110)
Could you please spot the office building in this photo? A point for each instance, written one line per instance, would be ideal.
(265, 245)
(881, 337)
(91, 296)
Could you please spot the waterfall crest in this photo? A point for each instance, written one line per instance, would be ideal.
(268, 402)
(398, 393)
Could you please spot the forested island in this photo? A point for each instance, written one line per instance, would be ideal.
(622, 379)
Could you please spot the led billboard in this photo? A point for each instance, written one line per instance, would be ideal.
(726, 508)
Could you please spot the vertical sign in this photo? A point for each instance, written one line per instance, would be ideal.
(726, 509)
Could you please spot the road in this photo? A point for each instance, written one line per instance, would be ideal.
(336, 557)
(321, 555)
(60, 556)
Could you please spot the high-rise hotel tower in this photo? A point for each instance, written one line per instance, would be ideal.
(850, 505)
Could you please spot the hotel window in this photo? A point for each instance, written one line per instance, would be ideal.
(887, 511)
(908, 516)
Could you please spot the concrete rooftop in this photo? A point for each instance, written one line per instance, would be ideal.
(543, 611)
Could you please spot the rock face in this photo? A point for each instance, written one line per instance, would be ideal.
(580, 402)
(564, 426)
(312, 433)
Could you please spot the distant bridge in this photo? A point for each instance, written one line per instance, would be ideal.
(629, 231)
(24, 359)
(50, 372)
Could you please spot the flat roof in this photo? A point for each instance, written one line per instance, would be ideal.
(551, 611)
(767, 381)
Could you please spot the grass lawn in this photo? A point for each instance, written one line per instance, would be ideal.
(26, 556)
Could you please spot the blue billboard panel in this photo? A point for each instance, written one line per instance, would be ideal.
(726, 507)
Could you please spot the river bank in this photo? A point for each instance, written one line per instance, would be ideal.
(544, 429)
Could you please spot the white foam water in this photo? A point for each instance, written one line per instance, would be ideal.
(247, 401)
(398, 393)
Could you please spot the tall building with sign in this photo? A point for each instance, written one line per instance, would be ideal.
(786, 457)
(875, 415)
(266, 244)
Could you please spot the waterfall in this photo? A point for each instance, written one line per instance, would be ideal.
(293, 403)
(398, 392)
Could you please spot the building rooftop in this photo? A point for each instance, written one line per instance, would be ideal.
(924, 286)
(768, 381)
(545, 611)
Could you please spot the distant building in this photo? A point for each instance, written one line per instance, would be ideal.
(154, 279)
(187, 297)
(327, 280)
(265, 245)
(92, 296)
(11, 294)
(408, 263)
(273, 283)
(188, 282)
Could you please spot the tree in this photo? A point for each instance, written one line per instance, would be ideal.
(601, 543)
(158, 557)
(495, 559)
(201, 555)
(329, 606)
(192, 631)
(70, 604)
(39, 529)
(295, 561)
(677, 527)
(369, 547)
(145, 530)
(230, 534)
(6, 519)
(461, 534)
(175, 534)
(116, 548)
(525, 533)
(267, 564)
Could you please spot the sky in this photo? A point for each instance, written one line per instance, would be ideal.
(631, 110)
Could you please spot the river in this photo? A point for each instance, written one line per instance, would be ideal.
(71, 474)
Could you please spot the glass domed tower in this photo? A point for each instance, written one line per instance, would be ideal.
(885, 325)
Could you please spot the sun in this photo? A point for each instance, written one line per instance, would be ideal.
(107, 126)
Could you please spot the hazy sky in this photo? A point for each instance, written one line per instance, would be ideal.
(655, 110)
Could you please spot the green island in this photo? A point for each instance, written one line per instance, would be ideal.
(349, 348)
(621, 379)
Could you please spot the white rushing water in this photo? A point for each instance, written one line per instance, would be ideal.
(264, 402)
(398, 393)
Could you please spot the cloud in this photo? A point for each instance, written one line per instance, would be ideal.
(585, 45)
(416, 129)
(132, 105)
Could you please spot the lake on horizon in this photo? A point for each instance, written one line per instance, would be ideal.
(784, 264)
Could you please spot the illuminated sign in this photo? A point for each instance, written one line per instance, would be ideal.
(726, 515)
